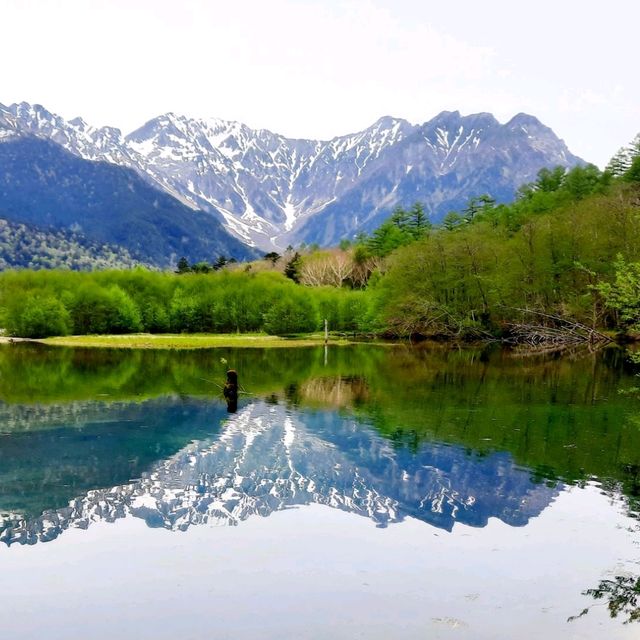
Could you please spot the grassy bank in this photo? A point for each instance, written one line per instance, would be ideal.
(192, 341)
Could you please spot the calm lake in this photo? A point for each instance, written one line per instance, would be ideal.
(366, 491)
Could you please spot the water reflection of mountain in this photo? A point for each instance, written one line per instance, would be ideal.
(268, 458)
(50, 454)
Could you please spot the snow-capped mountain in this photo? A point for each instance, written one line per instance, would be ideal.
(271, 191)
(47, 186)
(269, 458)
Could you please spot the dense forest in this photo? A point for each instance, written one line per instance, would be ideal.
(566, 247)
(29, 247)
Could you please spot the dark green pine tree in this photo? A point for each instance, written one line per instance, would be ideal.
(619, 163)
(633, 173)
(220, 263)
(420, 222)
(183, 266)
(292, 268)
(400, 218)
(550, 180)
(623, 158)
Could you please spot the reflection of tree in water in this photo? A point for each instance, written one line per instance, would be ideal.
(336, 391)
(621, 594)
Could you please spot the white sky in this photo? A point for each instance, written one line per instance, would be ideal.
(312, 68)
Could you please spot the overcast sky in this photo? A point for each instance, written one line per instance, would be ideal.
(320, 68)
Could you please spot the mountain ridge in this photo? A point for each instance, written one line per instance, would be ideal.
(269, 190)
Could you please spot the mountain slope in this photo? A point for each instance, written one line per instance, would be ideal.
(270, 191)
(442, 164)
(32, 247)
(41, 183)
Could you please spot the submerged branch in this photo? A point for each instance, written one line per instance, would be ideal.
(554, 331)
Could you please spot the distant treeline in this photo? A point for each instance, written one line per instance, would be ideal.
(47, 303)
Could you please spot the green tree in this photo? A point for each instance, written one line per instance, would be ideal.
(400, 218)
(37, 316)
(619, 163)
(623, 294)
(582, 181)
(293, 314)
(477, 205)
(633, 173)
(183, 266)
(274, 256)
(550, 180)
(201, 267)
(419, 220)
(292, 268)
(220, 263)
(96, 310)
(452, 220)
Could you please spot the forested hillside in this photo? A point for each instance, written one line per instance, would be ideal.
(563, 247)
(43, 184)
(30, 247)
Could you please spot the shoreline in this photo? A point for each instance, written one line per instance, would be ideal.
(191, 341)
(187, 341)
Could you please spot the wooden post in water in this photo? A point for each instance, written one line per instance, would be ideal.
(326, 341)
(230, 390)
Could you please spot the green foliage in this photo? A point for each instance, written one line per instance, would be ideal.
(203, 266)
(58, 302)
(624, 157)
(623, 294)
(478, 205)
(96, 310)
(37, 316)
(550, 180)
(622, 596)
(552, 250)
(183, 266)
(355, 313)
(273, 256)
(292, 268)
(581, 182)
(402, 228)
(294, 314)
(452, 220)
(633, 173)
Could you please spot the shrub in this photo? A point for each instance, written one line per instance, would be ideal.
(35, 316)
(295, 314)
